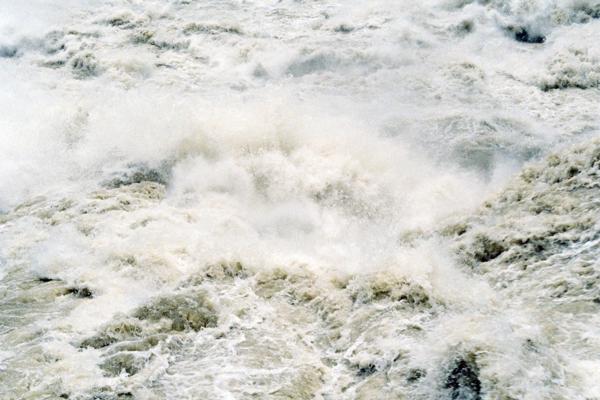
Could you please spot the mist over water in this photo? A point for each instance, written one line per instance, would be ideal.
(299, 199)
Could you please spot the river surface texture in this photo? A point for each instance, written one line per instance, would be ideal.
(300, 199)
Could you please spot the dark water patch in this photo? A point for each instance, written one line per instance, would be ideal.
(343, 28)
(56, 285)
(521, 34)
(486, 249)
(106, 393)
(123, 363)
(144, 344)
(463, 28)
(193, 312)
(457, 229)
(260, 72)
(585, 12)
(150, 38)
(415, 375)
(113, 333)
(80, 292)
(269, 283)
(89, 35)
(85, 66)
(138, 173)
(462, 381)
(511, 250)
(54, 64)
(98, 342)
(295, 287)
(226, 270)
(142, 37)
(559, 84)
(211, 29)
(54, 42)
(168, 45)
(127, 342)
(118, 21)
(45, 279)
(385, 287)
(121, 21)
(466, 26)
(366, 370)
(8, 51)
(311, 64)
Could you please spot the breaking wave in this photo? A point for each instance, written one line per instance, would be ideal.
(299, 200)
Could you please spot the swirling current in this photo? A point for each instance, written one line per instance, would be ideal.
(300, 199)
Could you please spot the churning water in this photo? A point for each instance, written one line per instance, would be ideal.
(300, 199)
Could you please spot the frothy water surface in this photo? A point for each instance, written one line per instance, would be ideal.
(299, 200)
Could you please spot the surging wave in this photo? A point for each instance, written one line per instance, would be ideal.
(296, 200)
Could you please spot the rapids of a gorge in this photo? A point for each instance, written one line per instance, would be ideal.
(300, 199)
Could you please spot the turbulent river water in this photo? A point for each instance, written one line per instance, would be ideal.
(300, 199)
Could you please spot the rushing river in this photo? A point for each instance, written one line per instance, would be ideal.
(300, 199)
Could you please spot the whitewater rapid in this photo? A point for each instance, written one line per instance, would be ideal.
(380, 199)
